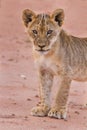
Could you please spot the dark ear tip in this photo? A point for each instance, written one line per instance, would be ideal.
(27, 16)
(58, 16)
(25, 11)
(59, 11)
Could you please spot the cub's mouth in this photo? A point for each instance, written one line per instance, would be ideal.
(41, 50)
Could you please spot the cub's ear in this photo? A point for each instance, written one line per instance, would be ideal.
(58, 16)
(28, 16)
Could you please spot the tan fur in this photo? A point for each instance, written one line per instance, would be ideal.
(56, 54)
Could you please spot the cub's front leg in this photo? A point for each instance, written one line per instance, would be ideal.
(59, 110)
(46, 81)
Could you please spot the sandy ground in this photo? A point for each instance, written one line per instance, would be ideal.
(18, 78)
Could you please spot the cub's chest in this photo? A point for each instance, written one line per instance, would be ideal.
(47, 64)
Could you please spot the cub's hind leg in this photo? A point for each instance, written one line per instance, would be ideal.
(59, 110)
(46, 81)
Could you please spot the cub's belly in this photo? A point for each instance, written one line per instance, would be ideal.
(78, 74)
(77, 77)
(74, 72)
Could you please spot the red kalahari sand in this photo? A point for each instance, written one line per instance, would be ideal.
(18, 78)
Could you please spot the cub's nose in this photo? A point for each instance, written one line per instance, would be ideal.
(41, 46)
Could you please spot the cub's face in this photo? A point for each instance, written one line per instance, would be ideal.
(43, 29)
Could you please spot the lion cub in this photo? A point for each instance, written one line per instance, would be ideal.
(55, 53)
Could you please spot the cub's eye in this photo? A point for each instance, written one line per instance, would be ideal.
(49, 32)
(34, 31)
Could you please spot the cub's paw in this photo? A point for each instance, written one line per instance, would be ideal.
(40, 111)
(57, 113)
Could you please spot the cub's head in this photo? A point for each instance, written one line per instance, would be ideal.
(43, 29)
